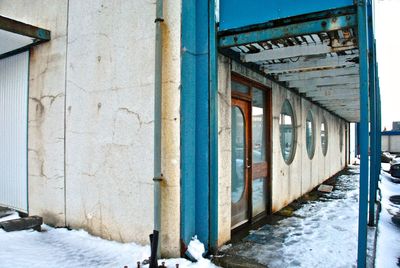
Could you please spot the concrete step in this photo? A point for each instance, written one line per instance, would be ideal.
(31, 222)
(4, 212)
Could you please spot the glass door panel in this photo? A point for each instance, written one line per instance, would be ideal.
(259, 145)
(259, 197)
(238, 154)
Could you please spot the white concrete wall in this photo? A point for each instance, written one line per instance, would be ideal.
(303, 174)
(46, 106)
(289, 182)
(109, 118)
(391, 143)
(385, 143)
(91, 110)
(224, 150)
(109, 121)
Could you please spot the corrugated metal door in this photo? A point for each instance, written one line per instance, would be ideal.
(13, 131)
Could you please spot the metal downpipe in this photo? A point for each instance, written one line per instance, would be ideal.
(158, 176)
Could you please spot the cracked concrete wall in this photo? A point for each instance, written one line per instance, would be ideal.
(224, 150)
(94, 81)
(109, 130)
(303, 174)
(109, 120)
(46, 106)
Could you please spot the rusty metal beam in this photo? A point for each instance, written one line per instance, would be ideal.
(296, 51)
(21, 28)
(309, 27)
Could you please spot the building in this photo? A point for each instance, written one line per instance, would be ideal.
(252, 117)
(396, 126)
(391, 141)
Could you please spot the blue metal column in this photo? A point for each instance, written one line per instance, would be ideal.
(188, 121)
(373, 118)
(198, 124)
(379, 118)
(202, 123)
(213, 72)
(363, 134)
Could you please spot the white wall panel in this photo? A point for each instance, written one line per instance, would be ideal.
(13, 131)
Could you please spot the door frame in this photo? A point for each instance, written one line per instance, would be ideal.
(268, 136)
(245, 107)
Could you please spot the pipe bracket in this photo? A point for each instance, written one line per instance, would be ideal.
(158, 178)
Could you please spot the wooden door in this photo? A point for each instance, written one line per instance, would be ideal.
(241, 164)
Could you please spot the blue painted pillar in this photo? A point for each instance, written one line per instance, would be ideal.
(363, 133)
(188, 121)
(213, 71)
(379, 118)
(199, 124)
(373, 120)
(202, 123)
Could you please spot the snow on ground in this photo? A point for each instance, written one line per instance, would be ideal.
(73, 249)
(322, 233)
(388, 243)
(14, 215)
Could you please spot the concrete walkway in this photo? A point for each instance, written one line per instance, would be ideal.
(318, 230)
(388, 242)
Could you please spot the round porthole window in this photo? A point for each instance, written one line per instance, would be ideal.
(324, 136)
(310, 136)
(287, 132)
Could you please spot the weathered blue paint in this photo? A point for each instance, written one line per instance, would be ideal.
(213, 70)
(240, 13)
(363, 134)
(195, 122)
(310, 27)
(188, 121)
(43, 34)
(373, 178)
(390, 133)
(379, 138)
(202, 122)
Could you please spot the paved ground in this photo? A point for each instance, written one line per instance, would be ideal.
(321, 232)
(388, 242)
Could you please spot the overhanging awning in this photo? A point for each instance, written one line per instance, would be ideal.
(16, 36)
(316, 56)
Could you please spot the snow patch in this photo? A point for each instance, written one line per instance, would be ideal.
(59, 247)
(196, 249)
(12, 216)
(322, 233)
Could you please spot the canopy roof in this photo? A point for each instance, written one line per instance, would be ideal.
(316, 56)
(17, 36)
